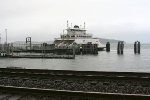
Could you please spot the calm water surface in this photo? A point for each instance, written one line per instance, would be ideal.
(102, 62)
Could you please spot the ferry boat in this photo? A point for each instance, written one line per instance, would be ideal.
(76, 35)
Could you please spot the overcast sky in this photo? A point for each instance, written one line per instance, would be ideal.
(44, 20)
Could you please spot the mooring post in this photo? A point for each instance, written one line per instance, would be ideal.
(120, 47)
(108, 47)
(137, 47)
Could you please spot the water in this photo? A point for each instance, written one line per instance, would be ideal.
(128, 62)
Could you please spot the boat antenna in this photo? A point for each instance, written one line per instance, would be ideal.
(84, 25)
(0, 38)
(71, 25)
(67, 23)
(0, 42)
(6, 35)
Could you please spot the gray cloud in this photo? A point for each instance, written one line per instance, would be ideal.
(45, 19)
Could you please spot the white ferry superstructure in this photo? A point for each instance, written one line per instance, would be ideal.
(78, 36)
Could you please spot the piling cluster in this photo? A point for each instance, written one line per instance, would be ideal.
(120, 47)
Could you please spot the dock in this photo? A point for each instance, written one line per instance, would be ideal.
(44, 56)
(46, 51)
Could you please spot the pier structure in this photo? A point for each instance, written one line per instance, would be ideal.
(87, 49)
(52, 48)
(34, 50)
(45, 50)
(4, 49)
(67, 84)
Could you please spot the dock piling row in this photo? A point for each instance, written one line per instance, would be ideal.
(120, 47)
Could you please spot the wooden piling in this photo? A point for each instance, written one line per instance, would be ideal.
(120, 47)
(137, 47)
(108, 47)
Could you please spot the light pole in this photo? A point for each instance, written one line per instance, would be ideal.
(0, 43)
(6, 35)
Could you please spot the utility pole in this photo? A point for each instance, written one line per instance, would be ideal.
(67, 24)
(0, 38)
(0, 43)
(6, 35)
(6, 45)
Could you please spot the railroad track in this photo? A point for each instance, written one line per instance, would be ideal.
(114, 85)
(71, 72)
